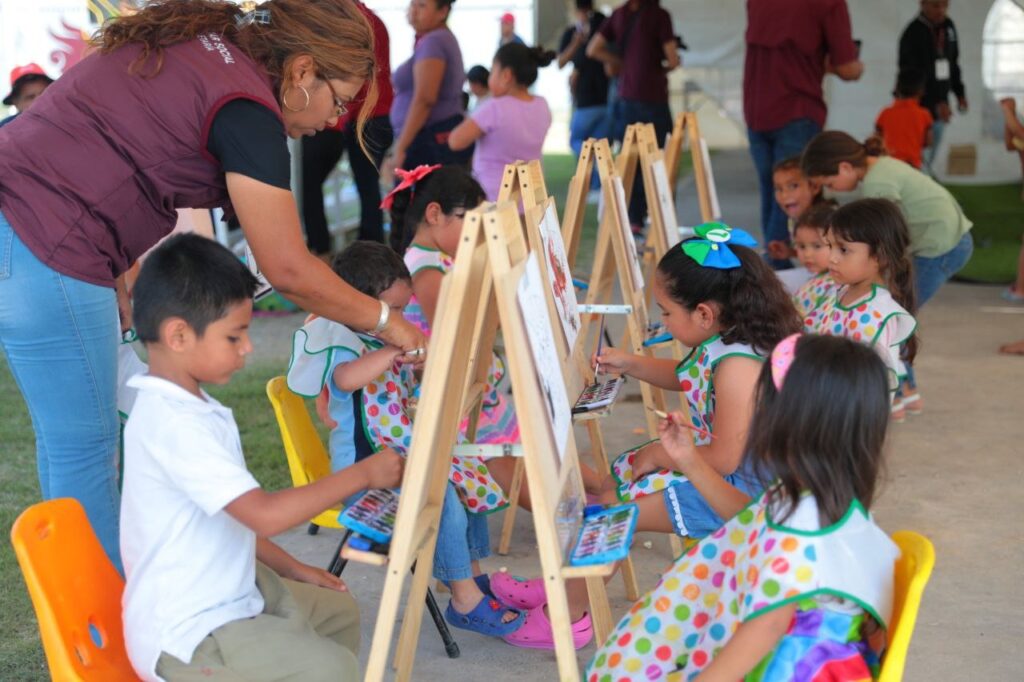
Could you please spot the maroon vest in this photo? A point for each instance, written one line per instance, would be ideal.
(91, 174)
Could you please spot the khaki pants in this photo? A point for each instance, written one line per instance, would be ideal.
(305, 633)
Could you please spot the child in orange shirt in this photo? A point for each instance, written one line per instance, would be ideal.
(905, 126)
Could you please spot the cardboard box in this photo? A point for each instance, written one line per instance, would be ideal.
(962, 160)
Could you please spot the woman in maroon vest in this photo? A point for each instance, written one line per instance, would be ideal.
(185, 104)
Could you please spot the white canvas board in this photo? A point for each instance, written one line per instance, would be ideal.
(559, 275)
(530, 297)
(716, 208)
(627, 235)
(263, 286)
(668, 206)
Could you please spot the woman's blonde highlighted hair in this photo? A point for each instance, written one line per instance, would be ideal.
(334, 33)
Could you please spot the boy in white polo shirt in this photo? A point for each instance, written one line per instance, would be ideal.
(207, 595)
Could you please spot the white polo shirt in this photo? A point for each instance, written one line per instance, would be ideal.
(190, 566)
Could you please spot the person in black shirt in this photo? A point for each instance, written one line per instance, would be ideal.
(930, 44)
(588, 81)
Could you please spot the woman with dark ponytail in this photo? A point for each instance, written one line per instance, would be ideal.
(512, 124)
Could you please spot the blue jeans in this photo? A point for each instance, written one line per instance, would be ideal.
(588, 122)
(767, 148)
(928, 153)
(60, 337)
(644, 112)
(613, 113)
(931, 273)
(462, 538)
(691, 516)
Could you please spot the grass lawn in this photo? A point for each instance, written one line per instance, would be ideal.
(998, 215)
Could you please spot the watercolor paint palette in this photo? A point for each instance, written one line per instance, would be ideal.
(373, 515)
(606, 536)
(598, 394)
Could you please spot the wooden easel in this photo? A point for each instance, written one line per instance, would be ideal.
(525, 181)
(576, 201)
(614, 255)
(492, 250)
(686, 130)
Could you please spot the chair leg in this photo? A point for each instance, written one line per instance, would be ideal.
(337, 564)
(451, 647)
(312, 529)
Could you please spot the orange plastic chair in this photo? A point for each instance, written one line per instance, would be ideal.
(912, 572)
(75, 590)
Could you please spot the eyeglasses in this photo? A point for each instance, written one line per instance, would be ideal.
(340, 108)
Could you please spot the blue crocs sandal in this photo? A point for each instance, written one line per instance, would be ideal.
(483, 581)
(486, 618)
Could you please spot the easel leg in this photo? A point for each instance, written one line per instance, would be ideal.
(600, 610)
(387, 614)
(561, 627)
(509, 520)
(409, 635)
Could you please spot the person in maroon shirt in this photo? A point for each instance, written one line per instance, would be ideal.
(321, 153)
(637, 46)
(791, 45)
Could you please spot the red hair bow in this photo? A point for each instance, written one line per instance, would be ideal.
(408, 179)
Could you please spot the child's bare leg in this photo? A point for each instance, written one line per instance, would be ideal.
(502, 469)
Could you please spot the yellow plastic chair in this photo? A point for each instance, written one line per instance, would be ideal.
(913, 569)
(308, 460)
(75, 590)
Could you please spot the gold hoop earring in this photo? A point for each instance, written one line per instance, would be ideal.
(284, 99)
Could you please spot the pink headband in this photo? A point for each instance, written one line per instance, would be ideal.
(409, 178)
(782, 358)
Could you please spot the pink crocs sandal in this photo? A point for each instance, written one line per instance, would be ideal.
(535, 632)
(518, 592)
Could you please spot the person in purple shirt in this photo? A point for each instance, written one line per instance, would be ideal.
(428, 91)
(512, 124)
(638, 46)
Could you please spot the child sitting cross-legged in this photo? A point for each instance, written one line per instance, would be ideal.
(370, 391)
(207, 594)
(798, 584)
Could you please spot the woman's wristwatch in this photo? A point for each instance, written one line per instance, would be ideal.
(382, 321)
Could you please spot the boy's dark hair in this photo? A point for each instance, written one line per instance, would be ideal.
(190, 277)
(789, 163)
(909, 83)
(824, 431)
(523, 61)
(585, 4)
(370, 267)
(818, 215)
(450, 186)
(828, 149)
(880, 224)
(754, 307)
(478, 74)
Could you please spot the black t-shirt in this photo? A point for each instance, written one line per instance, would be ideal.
(592, 85)
(249, 139)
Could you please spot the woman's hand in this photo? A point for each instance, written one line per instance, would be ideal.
(403, 334)
(613, 361)
(677, 440)
(304, 573)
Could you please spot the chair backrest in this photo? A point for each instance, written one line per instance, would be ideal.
(912, 571)
(308, 460)
(75, 590)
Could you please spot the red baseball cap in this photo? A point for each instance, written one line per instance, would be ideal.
(20, 75)
(508, 18)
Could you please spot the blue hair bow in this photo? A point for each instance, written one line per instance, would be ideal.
(712, 249)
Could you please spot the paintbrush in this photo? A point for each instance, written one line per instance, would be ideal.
(667, 417)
